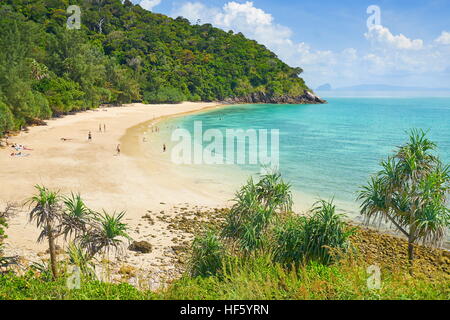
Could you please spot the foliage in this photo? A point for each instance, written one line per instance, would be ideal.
(80, 258)
(208, 254)
(164, 95)
(259, 278)
(121, 54)
(69, 217)
(411, 192)
(250, 279)
(32, 286)
(107, 232)
(8, 212)
(319, 237)
(255, 209)
(261, 222)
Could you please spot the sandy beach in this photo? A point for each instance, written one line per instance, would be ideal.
(127, 182)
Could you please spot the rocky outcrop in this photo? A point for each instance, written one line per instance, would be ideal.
(261, 97)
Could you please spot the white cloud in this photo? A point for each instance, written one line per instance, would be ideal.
(149, 4)
(444, 38)
(388, 55)
(240, 17)
(380, 35)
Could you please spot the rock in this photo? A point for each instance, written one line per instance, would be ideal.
(140, 246)
(261, 97)
(128, 271)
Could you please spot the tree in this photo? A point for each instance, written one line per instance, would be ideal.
(105, 233)
(66, 216)
(46, 214)
(411, 193)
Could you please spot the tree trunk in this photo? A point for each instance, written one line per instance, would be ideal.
(411, 255)
(51, 248)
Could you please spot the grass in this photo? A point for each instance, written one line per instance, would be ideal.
(256, 278)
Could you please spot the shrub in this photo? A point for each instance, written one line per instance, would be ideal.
(6, 119)
(300, 239)
(256, 208)
(208, 254)
(164, 95)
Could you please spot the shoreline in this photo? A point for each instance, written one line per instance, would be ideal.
(135, 182)
(104, 180)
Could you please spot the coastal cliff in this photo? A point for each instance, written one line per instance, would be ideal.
(261, 97)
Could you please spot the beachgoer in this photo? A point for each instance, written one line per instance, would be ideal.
(164, 148)
(99, 128)
(118, 149)
(104, 127)
(89, 136)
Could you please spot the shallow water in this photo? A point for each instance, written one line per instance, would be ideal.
(326, 150)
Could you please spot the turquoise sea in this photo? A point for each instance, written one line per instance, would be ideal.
(330, 150)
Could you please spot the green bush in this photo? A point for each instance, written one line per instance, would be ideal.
(165, 95)
(256, 208)
(208, 254)
(318, 237)
(258, 278)
(6, 119)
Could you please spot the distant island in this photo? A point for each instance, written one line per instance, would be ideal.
(378, 87)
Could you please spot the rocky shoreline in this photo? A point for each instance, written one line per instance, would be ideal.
(261, 97)
(146, 269)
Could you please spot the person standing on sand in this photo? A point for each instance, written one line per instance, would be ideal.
(89, 136)
(104, 127)
(100, 128)
(164, 147)
(118, 149)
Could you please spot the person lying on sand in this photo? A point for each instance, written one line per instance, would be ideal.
(65, 139)
(19, 147)
(20, 154)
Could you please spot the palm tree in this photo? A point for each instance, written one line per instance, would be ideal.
(76, 218)
(106, 233)
(69, 216)
(411, 193)
(46, 214)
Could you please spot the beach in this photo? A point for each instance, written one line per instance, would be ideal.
(127, 182)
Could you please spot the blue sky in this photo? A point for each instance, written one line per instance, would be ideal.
(330, 39)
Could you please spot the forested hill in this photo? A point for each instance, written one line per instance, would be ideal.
(123, 53)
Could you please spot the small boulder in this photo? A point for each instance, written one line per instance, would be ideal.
(140, 246)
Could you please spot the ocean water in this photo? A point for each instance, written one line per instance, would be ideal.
(329, 151)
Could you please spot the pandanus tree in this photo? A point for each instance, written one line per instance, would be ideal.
(106, 233)
(411, 192)
(256, 206)
(69, 217)
(46, 213)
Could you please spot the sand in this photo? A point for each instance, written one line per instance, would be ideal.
(127, 182)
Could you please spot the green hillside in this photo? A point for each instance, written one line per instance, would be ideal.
(123, 53)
